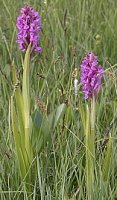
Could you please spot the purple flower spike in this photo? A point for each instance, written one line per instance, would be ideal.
(29, 26)
(91, 75)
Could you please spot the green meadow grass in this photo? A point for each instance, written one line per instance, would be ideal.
(70, 29)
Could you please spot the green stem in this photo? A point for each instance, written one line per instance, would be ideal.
(92, 136)
(90, 149)
(88, 184)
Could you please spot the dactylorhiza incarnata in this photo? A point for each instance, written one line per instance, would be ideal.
(91, 75)
(29, 26)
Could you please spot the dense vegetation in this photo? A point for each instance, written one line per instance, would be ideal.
(69, 30)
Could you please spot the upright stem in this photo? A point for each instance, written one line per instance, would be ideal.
(87, 140)
(93, 116)
(90, 148)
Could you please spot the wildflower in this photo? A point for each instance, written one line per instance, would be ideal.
(91, 75)
(29, 26)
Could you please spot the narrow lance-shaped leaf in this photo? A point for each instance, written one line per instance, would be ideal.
(19, 104)
(17, 139)
(26, 101)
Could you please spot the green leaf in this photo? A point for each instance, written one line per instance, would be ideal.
(25, 87)
(42, 126)
(37, 119)
(17, 140)
(59, 113)
(40, 131)
(26, 102)
(19, 104)
(83, 115)
(14, 125)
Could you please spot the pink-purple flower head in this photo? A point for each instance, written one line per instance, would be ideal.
(91, 75)
(29, 26)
